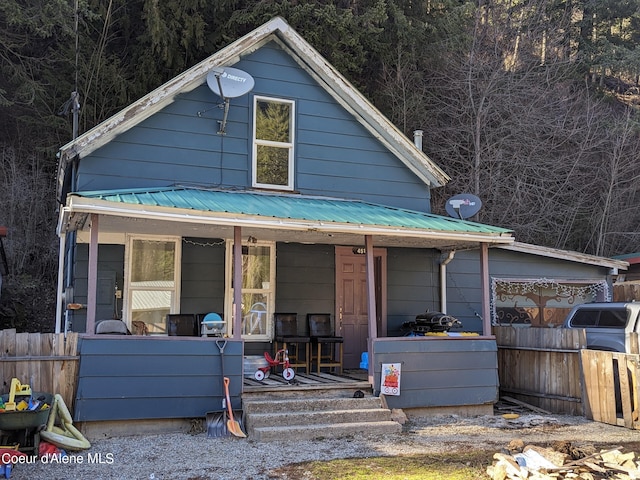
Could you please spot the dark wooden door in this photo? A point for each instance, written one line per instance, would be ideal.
(351, 295)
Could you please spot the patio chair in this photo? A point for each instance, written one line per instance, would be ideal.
(182, 325)
(287, 337)
(255, 321)
(112, 327)
(325, 342)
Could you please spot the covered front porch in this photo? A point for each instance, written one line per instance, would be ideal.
(369, 267)
(137, 378)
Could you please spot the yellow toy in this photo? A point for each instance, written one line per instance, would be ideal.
(16, 389)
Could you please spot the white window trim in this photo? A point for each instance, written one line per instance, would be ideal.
(289, 146)
(270, 292)
(129, 239)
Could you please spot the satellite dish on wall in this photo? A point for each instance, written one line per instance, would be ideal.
(463, 205)
(227, 83)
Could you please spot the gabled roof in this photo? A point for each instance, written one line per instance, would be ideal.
(306, 56)
(286, 212)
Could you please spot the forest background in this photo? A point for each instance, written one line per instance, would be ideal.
(529, 104)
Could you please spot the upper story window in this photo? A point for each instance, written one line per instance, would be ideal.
(273, 126)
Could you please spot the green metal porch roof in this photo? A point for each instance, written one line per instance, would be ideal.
(291, 207)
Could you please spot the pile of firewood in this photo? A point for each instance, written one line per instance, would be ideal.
(562, 461)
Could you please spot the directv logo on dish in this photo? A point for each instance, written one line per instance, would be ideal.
(459, 203)
(234, 77)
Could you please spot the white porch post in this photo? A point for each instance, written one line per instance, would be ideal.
(484, 288)
(371, 302)
(237, 283)
(59, 303)
(92, 280)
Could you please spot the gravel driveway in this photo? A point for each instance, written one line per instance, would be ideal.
(196, 457)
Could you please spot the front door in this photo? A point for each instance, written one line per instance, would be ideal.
(351, 296)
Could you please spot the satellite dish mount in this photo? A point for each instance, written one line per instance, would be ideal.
(228, 83)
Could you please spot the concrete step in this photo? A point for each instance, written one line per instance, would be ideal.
(307, 417)
(324, 430)
(359, 415)
(307, 404)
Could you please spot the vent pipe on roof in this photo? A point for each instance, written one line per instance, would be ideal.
(417, 139)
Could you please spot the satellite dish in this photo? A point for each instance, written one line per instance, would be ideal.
(229, 82)
(463, 205)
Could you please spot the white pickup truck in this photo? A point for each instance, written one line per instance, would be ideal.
(606, 323)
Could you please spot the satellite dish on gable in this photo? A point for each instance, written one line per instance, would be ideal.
(227, 83)
(463, 205)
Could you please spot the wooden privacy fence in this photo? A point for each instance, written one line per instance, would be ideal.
(47, 362)
(626, 291)
(611, 387)
(541, 366)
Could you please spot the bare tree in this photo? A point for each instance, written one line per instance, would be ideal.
(27, 204)
(505, 113)
(27, 208)
(615, 218)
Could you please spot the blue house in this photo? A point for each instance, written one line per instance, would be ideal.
(530, 285)
(257, 182)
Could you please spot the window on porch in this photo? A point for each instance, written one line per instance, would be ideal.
(258, 289)
(273, 143)
(152, 281)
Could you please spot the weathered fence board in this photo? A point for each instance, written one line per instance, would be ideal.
(626, 291)
(47, 362)
(611, 387)
(541, 366)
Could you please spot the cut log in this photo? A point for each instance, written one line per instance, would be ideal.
(557, 458)
(611, 464)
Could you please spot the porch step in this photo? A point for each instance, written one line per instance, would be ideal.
(309, 417)
(326, 430)
(308, 404)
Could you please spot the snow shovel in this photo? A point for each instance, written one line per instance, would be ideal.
(232, 425)
(217, 421)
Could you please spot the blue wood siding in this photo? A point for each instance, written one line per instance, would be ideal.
(203, 274)
(110, 276)
(134, 378)
(202, 283)
(464, 296)
(412, 286)
(439, 372)
(305, 280)
(335, 155)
